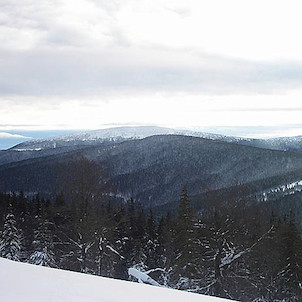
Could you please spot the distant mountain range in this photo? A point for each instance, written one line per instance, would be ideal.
(117, 134)
(72, 142)
(152, 164)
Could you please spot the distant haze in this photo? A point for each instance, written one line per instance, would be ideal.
(12, 138)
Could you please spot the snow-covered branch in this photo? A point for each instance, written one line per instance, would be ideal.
(232, 257)
(142, 277)
(114, 251)
(71, 240)
(89, 246)
(155, 270)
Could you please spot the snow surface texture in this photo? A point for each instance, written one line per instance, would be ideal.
(281, 190)
(26, 282)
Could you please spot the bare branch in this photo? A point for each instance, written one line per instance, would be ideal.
(227, 260)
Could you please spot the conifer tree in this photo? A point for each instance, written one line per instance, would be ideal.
(165, 249)
(289, 278)
(106, 254)
(184, 241)
(138, 237)
(43, 253)
(10, 242)
(123, 243)
(166, 238)
(151, 242)
(81, 181)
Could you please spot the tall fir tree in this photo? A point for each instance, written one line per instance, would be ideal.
(289, 278)
(184, 269)
(165, 249)
(151, 243)
(43, 253)
(10, 242)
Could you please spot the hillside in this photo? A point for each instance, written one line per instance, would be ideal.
(27, 282)
(293, 144)
(153, 170)
(104, 137)
(80, 140)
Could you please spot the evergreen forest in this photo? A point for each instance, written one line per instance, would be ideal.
(235, 249)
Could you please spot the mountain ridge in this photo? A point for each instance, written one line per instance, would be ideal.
(154, 169)
(79, 140)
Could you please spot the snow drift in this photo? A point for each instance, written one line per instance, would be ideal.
(27, 282)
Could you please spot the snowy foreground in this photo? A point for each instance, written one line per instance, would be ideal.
(27, 282)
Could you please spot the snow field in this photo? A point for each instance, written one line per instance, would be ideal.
(30, 283)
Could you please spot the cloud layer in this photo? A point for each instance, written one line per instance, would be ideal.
(88, 56)
(73, 73)
(7, 135)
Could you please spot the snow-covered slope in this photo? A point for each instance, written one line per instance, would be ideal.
(119, 134)
(27, 282)
(81, 140)
(280, 191)
(116, 134)
(104, 137)
(293, 143)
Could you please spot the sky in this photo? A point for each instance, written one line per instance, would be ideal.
(223, 65)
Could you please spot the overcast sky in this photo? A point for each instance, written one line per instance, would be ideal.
(83, 64)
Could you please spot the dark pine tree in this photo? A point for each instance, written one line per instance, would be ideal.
(165, 249)
(289, 278)
(152, 259)
(184, 268)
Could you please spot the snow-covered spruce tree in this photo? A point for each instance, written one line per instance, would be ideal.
(10, 242)
(43, 246)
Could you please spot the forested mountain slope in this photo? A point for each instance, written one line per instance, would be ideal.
(81, 140)
(153, 170)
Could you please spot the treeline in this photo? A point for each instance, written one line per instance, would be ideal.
(231, 251)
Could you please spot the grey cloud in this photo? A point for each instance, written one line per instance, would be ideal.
(61, 36)
(181, 11)
(46, 18)
(28, 13)
(53, 32)
(110, 6)
(7, 135)
(66, 62)
(84, 72)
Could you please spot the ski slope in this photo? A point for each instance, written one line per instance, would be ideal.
(29, 283)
